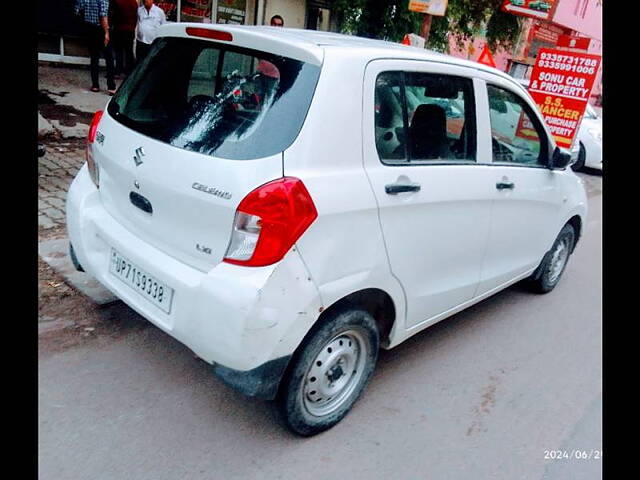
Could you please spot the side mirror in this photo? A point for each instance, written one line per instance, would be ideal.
(560, 159)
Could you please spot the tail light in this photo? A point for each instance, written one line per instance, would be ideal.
(208, 33)
(268, 221)
(91, 164)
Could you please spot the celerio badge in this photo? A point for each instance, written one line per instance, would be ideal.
(211, 190)
(138, 156)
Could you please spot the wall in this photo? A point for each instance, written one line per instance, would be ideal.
(584, 16)
(501, 57)
(293, 12)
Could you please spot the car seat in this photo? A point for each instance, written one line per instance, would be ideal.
(428, 132)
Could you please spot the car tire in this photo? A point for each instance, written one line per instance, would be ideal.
(329, 371)
(582, 156)
(548, 273)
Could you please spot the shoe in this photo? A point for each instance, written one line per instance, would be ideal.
(111, 92)
(95, 89)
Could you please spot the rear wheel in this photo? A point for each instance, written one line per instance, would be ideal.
(554, 262)
(329, 372)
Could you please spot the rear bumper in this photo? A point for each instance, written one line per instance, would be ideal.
(261, 382)
(238, 318)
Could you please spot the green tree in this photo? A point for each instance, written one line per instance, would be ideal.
(464, 19)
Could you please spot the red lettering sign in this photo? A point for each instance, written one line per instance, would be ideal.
(540, 9)
(560, 84)
(581, 43)
(525, 128)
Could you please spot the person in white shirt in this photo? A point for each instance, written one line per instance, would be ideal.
(150, 17)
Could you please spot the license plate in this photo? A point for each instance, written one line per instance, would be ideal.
(146, 285)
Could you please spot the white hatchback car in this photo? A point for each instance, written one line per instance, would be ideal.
(285, 202)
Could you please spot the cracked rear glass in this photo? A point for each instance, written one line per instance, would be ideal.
(218, 100)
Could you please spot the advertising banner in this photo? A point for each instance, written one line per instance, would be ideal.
(231, 11)
(431, 7)
(580, 43)
(195, 11)
(525, 128)
(530, 8)
(560, 85)
(546, 34)
(170, 9)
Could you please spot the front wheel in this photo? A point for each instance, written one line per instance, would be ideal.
(554, 262)
(329, 372)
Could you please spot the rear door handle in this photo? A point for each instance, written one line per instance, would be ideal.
(505, 185)
(395, 188)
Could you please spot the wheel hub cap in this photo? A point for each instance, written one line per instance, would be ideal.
(334, 373)
(559, 259)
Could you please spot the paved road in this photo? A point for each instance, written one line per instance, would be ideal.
(481, 395)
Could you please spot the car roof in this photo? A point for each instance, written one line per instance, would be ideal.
(312, 40)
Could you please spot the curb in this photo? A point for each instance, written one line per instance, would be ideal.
(56, 254)
(46, 130)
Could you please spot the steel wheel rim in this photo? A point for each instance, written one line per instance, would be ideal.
(335, 373)
(559, 259)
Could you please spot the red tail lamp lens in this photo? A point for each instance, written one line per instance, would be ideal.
(208, 33)
(93, 128)
(269, 220)
(91, 164)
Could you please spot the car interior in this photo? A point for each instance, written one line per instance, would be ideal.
(435, 115)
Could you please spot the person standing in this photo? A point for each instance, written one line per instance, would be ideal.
(276, 21)
(94, 14)
(150, 17)
(124, 15)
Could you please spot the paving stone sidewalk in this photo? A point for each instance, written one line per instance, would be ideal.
(56, 170)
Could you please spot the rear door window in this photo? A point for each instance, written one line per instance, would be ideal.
(390, 124)
(424, 117)
(218, 100)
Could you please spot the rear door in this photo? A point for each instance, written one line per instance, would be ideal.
(194, 129)
(434, 197)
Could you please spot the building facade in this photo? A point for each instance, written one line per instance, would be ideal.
(571, 24)
(574, 25)
(59, 31)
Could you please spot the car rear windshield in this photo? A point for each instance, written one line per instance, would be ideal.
(218, 100)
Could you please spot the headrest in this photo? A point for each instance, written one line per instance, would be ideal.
(268, 69)
(431, 117)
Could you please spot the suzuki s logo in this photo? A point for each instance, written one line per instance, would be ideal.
(138, 156)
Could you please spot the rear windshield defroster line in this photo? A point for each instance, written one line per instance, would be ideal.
(220, 100)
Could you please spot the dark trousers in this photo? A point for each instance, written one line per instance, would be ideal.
(95, 42)
(123, 50)
(141, 51)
